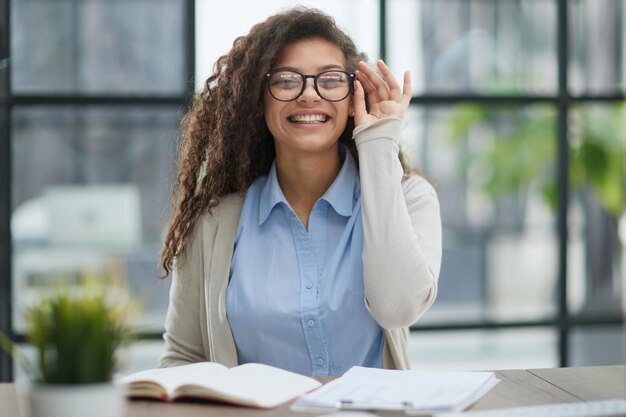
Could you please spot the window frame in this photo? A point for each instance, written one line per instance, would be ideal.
(563, 321)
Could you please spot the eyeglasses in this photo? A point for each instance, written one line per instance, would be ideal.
(333, 85)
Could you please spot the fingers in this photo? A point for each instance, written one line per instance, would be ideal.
(407, 92)
(366, 84)
(385, 88)
(359, 101)
(372, 83)
(385, 96)
(394, 87)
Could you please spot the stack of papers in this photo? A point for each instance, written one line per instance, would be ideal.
(409, 391)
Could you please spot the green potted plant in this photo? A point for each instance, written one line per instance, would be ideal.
(76, 332)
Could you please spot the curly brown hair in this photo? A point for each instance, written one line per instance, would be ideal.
(224, 143)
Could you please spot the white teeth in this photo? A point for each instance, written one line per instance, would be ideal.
(308, 118)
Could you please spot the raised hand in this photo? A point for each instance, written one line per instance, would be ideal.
(384, 95)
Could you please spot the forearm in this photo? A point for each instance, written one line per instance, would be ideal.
(402, 230)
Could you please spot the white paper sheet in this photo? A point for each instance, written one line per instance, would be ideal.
(411, 391)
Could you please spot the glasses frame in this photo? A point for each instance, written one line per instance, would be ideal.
(351, 77)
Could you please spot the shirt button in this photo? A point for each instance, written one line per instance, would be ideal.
(311, 323)
(309, 285)
(320, 361)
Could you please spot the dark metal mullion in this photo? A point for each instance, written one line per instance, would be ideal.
(178, 100)
(6, 321)
(382, 29)
(610, 97)
(562, 181)
(514, 99)
(489, 325)
(6, 325)
(579, 322)
(97, 100)
(480, 99)
(190, 48)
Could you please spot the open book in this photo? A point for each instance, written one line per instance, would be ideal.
(252, 384)
(409, 391)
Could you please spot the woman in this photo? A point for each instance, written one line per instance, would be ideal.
(298, 239)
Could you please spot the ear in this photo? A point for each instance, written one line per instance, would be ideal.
(351, 107)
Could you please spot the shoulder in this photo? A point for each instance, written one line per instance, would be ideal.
(229, 205)
(224, 215)
(220, 224)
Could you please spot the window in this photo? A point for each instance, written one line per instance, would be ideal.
(94, 104)
(517, 117)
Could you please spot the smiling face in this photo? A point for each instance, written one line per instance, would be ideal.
(308, 125)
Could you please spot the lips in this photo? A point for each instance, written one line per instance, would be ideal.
(308, 118)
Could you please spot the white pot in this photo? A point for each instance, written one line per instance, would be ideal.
(81, 400)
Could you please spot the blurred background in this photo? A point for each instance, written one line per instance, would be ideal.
(517, 117)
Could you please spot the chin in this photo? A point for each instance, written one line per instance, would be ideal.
(312, 145)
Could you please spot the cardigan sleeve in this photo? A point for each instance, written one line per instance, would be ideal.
(183, 327)
(401, 226)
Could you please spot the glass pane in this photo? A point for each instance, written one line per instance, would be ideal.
(597, 46)
(217, 28)
(140, 356)
(98, 47)
(91, 192)
(597, 224)
(479, 350)
(599, 345)
(493, 46)
(494, 171)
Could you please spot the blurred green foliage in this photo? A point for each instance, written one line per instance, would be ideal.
(76, 331)
(524, 150)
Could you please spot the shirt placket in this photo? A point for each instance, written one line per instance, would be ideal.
(309, 297)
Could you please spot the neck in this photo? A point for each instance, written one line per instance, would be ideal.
(305, 179)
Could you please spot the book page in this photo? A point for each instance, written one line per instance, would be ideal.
(201, 373)
(262, 385)
(250, 384)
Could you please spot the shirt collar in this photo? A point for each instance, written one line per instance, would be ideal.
(342, 195)
(271, 195)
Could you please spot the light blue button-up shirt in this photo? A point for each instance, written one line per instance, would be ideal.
(295, 298)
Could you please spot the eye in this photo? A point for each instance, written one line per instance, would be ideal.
(285, 81)
(332, 80)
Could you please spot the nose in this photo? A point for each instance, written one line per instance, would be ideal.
(309, 93)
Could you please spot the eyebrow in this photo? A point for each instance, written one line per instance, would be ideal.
(319, 69)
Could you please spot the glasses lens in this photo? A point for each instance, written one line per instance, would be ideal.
(285, 85)
(333, 85)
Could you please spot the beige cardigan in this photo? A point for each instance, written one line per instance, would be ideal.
(401, 259)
